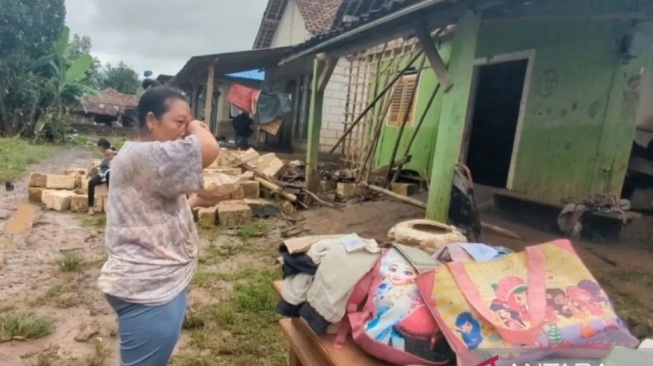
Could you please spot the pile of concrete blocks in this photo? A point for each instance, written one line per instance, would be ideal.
(245, 203)
(67, 191)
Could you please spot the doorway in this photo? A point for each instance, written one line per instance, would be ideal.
(494, 120)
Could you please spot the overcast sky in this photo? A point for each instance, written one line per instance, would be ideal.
(161, 35)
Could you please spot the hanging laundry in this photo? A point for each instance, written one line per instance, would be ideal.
(270, 106)
(242, 97)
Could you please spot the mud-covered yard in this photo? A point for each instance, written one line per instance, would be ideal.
(51, 312)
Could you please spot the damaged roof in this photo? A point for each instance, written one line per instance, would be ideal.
(110, 102)
(319, 17)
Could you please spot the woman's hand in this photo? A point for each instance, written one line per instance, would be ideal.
(192, 127)
(210, 148)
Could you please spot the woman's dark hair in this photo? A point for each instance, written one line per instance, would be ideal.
(104, 143)
(155, 100)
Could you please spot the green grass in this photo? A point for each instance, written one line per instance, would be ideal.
(254, 230)
(24, 326)
(17, 154)
(240, 330)
(70, 262)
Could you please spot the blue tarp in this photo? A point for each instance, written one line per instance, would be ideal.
(251, 74)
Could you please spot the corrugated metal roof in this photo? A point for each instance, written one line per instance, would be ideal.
(269, 23)
(229, 63)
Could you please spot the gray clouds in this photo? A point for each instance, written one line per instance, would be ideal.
(162, 35)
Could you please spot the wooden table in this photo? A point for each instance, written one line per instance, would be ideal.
(310, 349)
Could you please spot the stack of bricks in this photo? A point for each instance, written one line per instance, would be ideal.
(244, 204)
(67, 191)
(234, 210)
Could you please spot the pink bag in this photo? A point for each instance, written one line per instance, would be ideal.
(389, 319)
(523, 307)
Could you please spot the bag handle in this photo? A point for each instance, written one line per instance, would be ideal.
(536, 282)
(356, 299)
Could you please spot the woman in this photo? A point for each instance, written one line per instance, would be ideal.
(103, 174)
(150, 234)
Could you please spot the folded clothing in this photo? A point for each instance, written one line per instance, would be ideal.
(321, 297)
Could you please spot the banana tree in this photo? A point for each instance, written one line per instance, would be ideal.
(64, 80)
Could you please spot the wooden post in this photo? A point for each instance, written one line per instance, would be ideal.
(322, 69)
(431, 52)
(452, 116)
(208, 100)
(193, 99)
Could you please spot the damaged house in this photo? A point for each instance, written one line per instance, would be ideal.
(109, 107)
(541, 100)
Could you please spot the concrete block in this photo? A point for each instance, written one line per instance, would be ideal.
(404, 189)
(270, 165)
(60, 181)
(57, 200)
(79, 203)
(37, 180)
(234, 213)
(84, 187)
(348, 190)
(251, 189)
(206, 217)
(262, 208)
(101, 191)
(79, 180)
(35, 195)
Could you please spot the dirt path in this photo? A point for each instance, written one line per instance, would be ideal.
(31, 277)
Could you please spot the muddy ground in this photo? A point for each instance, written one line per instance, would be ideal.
(50, 270)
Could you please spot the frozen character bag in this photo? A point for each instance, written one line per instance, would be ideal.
(525, 306)
(388, 317)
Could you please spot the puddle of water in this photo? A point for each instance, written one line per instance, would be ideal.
(22, 218)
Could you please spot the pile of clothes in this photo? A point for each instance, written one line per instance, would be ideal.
(462, 302)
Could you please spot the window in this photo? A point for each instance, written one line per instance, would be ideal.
(401, 97)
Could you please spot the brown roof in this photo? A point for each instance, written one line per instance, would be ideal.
(110, 102)
(318, 15)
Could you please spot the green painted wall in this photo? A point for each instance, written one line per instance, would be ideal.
(422, 149)
(580, 112)
(569, 117)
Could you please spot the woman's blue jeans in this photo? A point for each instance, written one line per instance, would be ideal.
(149, 334)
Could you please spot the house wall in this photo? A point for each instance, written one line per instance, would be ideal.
(580, 113)
(291, 29)
(577, 129)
